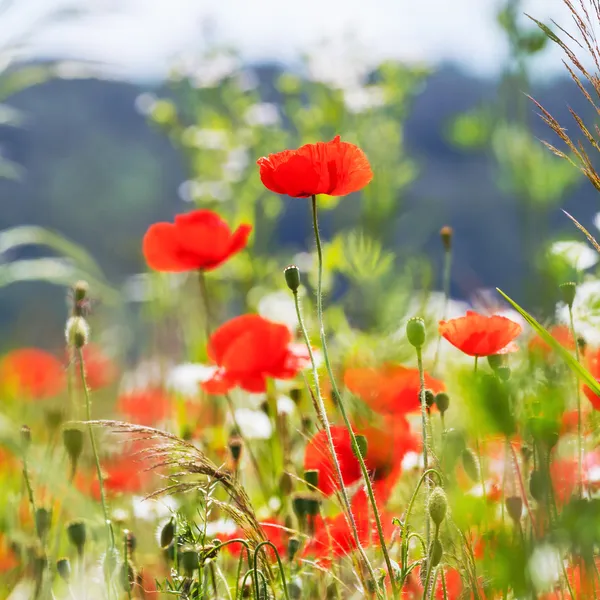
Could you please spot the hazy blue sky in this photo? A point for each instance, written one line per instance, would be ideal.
(142, 36)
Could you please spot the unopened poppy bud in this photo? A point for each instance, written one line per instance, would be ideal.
(235, 447)
(454, 442)
(537, 485)
(292, 548)
(360, 450)
(167, 533)
(53, 419)
(299, 507)
(307, 425)
(127, 576)
(503, 373)
(40, 563)
(77, 332)
(312, 505)
(470, 464)
(80, 290)
(25, 437)
(73, 442)
(110, 562)
(76, 532)
(436, 551)
(496, 361)
(296, 395)
(189, 560)
(415, 332)
(442, 401)
(295, 589)
(292, 277)
(311, 476)
(514, 508)
(567, 291)
(43, 520)
(429, 399)
(437, 506)
(285, 484)
(63, 567)
(446, 234)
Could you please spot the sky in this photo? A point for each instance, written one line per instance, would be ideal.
(140, 38)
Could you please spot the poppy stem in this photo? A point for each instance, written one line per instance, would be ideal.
(322, 415)
(205, 302)
(579, 425)
(446, 290)
(340, 403)
(425, 436)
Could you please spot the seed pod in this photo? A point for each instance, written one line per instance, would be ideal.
(188, 559)
(470, 464)
(73, 442)
(63, 567)
(442, 401)
(292, 277)
(167, 533)
(438, 505)
(43, 520)
(286, 484)
(76, 532)
(299, 507)
(429, 398)
(311, 476)
(292, 548)
(568, 291)
(415, 332)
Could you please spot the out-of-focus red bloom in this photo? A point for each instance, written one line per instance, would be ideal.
(335, 168)
(478, 335)
(248, 350)
(274, 531)
(386, 446)
(199, 239)
(32, 374)
(145, 407)
(100, 370)
(391, 389)
(561, 333)
(413, 590)
(146, 585)
(8, 560)
(592, 360)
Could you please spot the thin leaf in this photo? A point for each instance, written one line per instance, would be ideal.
(581, 372)
(585, 232)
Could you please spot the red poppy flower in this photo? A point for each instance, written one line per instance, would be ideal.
(592, 361)
(477, 335)
(32, 374)
(386, 446)
(561, 333)
(274, 531)
(413, 589)
(335, 168)
(196, 240)
(8, 560)
(391, 389)
(100, 370)
(145, 407)
(249, 349)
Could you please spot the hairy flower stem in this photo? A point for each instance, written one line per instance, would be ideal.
(429, 567)
(579, 424)
(424, 429)
(446, 290)
(322, 415)
(340, 403)
(30, 492)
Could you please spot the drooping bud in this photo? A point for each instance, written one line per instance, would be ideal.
(514, 507)
(446, 234)
(188, 559)
(63, 567)
(442, 401)
(568, 291)
(127, 576)
(43, 520)
(436, 551)
(292, 277)
(76, 532)
(415, 332)
(360, 450)
(167, 533)
(292, 548)
(77, 332)
(437, 506)
(311, 476)
(73, 441)
(470, 464)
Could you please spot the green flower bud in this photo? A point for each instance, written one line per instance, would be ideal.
(292, 277)
(188, 559)
(429, 399)
(436, 551)
(442, 401)
(312, 505)
(415, 332)
(299, 507)
(568, 291)
(496, 361)
(470, 464)
(25, 437)
(311, 476)
(514, 508)
(286, 484)
(76, 532)
(77, 332)
(446, 234)
(131, 541)
(503, 373)
(235, 448)
(73, 441)
(43, 520)
(167, 533)
(292, 548)
(63, 566)
(361, 446)
(437, 506)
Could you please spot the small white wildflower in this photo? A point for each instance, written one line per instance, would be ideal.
(578, 254)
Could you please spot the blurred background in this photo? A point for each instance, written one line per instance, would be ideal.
(118, 114)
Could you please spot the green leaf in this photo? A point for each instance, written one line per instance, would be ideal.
(581, 372)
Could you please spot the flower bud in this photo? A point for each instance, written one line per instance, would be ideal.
(360, 450)
(537, 485)
(299, 508)
(292, 548)
(43, 520)
(437, 506)
(127, 576)
(503, 373)
(53, 419)
(470, 464)
(73, 442)
(285, 484)
(25, 437)
(295, 589)
(63, 567)
(446, 234)
(80, 292)
(311, 476)
(235, 448)
(312, 505)
(77, 332)
(76, 532)
(167, 533)
(442, 401)
(415, 331)
(567, 291)
(429, 399)
(188, 559)
(514, 508)
(436, 551)
(130, 541)
(496, 361)
(292, 277)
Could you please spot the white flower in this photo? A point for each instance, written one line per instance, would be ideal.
(186, 378)
(544, 567)
(147, 374)
(212, 70)
(236, 163)
(586, 311)
(152, 510)
(285, 405)
(211, 139)
(220, 527)
(412, 460)
(263, 113)
(361, 99)
(279, 307)
(578, 254)
(254, 424)
(192, 190)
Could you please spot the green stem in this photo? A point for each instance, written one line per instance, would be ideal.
(341, 406)
(30, 494)
(444, 584)
(579, 425)
(88, 406)
(476, 364)
(125, 561)
(322, 415)
(446, 290)
(281, 570)
(430, 565)
(423, 403)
